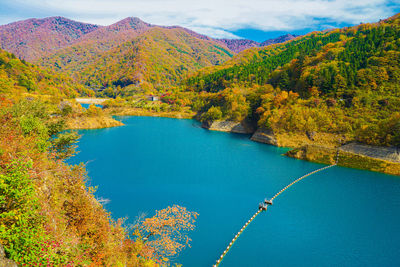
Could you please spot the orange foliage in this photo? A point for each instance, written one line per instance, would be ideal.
(166, 232)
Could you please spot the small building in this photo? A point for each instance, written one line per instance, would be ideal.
(153, 98)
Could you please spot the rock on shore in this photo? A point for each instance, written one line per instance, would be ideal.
(265, 136)
(384, 153)
(230, 126)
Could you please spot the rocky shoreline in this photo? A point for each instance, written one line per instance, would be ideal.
(264, 136)
(391, 154)
(360, 156)
(353, 155)
(229, 126)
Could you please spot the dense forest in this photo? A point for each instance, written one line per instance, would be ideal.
(344, 82)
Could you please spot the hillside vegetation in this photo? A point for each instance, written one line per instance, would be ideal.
(50, 216)
(18, 77)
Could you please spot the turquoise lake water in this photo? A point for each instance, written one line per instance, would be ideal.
(339, 217)
(86, 106)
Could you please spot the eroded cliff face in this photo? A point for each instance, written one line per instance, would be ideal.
(321, 148)
(242, 127)
(391, 154)
(265, 136)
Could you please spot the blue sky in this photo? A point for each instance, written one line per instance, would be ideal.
(253, 19)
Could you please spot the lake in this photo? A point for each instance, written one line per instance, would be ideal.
(338, 217)
(86, 106)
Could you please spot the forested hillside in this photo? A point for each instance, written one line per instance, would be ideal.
(20, 77)
(156, 58)
(343, 82)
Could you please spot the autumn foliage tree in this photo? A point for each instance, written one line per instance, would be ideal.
(166, 232)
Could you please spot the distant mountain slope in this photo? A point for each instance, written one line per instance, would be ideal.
(88, 48)
(32, 38)
(18, 77)
(130, 51)
(159, 57)
(238, 45)
(278, 40)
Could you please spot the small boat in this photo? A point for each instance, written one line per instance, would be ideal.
(262, 206)
(268, 202)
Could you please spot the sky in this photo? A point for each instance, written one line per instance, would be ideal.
(252, 19)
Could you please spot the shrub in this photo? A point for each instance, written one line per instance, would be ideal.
(212, 114)
(21, 225)
(94, 111)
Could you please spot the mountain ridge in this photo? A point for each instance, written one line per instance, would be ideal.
(29, 39)
(36, 38)
(156, 56)
(238, 45)
(128, 52)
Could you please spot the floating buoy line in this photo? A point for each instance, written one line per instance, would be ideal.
(264, 206)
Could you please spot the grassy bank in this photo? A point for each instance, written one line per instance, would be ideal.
(97, 122)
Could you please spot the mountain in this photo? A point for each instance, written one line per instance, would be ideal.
(238, 45)
(132, 52)
(159, 57)
(34, 38)
(105, 37)
(278, 40)
(343, 83)
(129, 52)
(30, 39)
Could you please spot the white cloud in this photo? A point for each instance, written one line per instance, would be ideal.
(217, 17)
(7, 19)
